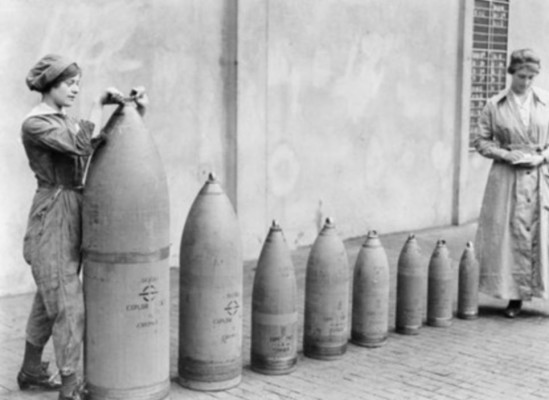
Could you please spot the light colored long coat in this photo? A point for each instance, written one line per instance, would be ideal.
(512, 241)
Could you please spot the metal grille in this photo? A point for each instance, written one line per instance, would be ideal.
(490, 32)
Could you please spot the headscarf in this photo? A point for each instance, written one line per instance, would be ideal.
(46, 70)
(524, 58)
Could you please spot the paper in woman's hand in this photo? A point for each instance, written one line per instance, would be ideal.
(525, 159)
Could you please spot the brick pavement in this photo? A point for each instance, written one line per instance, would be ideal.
(488, 358)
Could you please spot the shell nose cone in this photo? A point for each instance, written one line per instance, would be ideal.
(212, 186)
(372, 239)
(126, 177)
(275, 226)
(441, 250)
(212, 177)
(328, 228)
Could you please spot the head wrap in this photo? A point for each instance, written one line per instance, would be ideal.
(46, 70)
(524, 58)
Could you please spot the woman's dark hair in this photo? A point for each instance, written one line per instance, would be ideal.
(70, 72)
(523, 58)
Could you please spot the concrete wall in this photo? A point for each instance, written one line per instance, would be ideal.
(528, 28)
(178, 49)
(360, 99)
(341, 108)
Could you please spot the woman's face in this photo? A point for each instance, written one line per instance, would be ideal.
(522, 80)
(65, 94)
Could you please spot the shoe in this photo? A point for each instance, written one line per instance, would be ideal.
(79, 393)
(513, 308)
(42, 380)
(74, 396)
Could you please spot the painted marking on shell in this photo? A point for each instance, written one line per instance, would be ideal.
(146, 324)
(232, 307)
(149, 293)
(137, 307)
(225, 320)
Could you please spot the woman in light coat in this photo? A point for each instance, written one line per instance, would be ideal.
(512, 238)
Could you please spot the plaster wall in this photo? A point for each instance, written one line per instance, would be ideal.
(360, 112)
(528, 28)
(177, 50)
(340, 108)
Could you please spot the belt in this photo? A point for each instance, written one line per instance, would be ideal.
(78, 189)
(526, 147)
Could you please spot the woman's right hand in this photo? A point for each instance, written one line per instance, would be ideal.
(513, 156)
(111, 96)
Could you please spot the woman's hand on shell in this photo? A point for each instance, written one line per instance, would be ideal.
(111, 96)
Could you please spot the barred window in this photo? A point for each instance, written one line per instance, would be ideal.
(490, 33)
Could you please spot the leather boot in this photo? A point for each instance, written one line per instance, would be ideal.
(40, 379)
(513, 308)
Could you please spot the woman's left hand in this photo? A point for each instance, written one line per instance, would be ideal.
(537, 160)
(111, 96)
(140, 97)
(532, 161)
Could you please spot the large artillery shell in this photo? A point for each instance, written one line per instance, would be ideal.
(468, 284)
(210, 297)
(411, 291)
(370, 323)
(274, 308)
(326, 297)
(440, 289)
(126, 265)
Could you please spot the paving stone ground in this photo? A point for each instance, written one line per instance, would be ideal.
(488, 358)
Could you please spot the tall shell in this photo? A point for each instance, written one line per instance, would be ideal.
(210, 297)
(274, 308)
(126, 265)
(440, 288)
(326, 297)
(370, 323)
(468, 284)
(411, 288)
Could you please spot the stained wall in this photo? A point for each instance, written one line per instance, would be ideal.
(179, 50)
(304, 109)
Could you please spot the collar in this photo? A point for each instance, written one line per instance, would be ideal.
(527, 100)
(538, 95)
(45, 109)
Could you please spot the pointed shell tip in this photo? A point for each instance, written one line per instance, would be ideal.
(212, 177)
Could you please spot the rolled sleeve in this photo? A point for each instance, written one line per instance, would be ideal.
(88, 128)
(45, 132)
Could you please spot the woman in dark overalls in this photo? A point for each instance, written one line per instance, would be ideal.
(58, 148)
